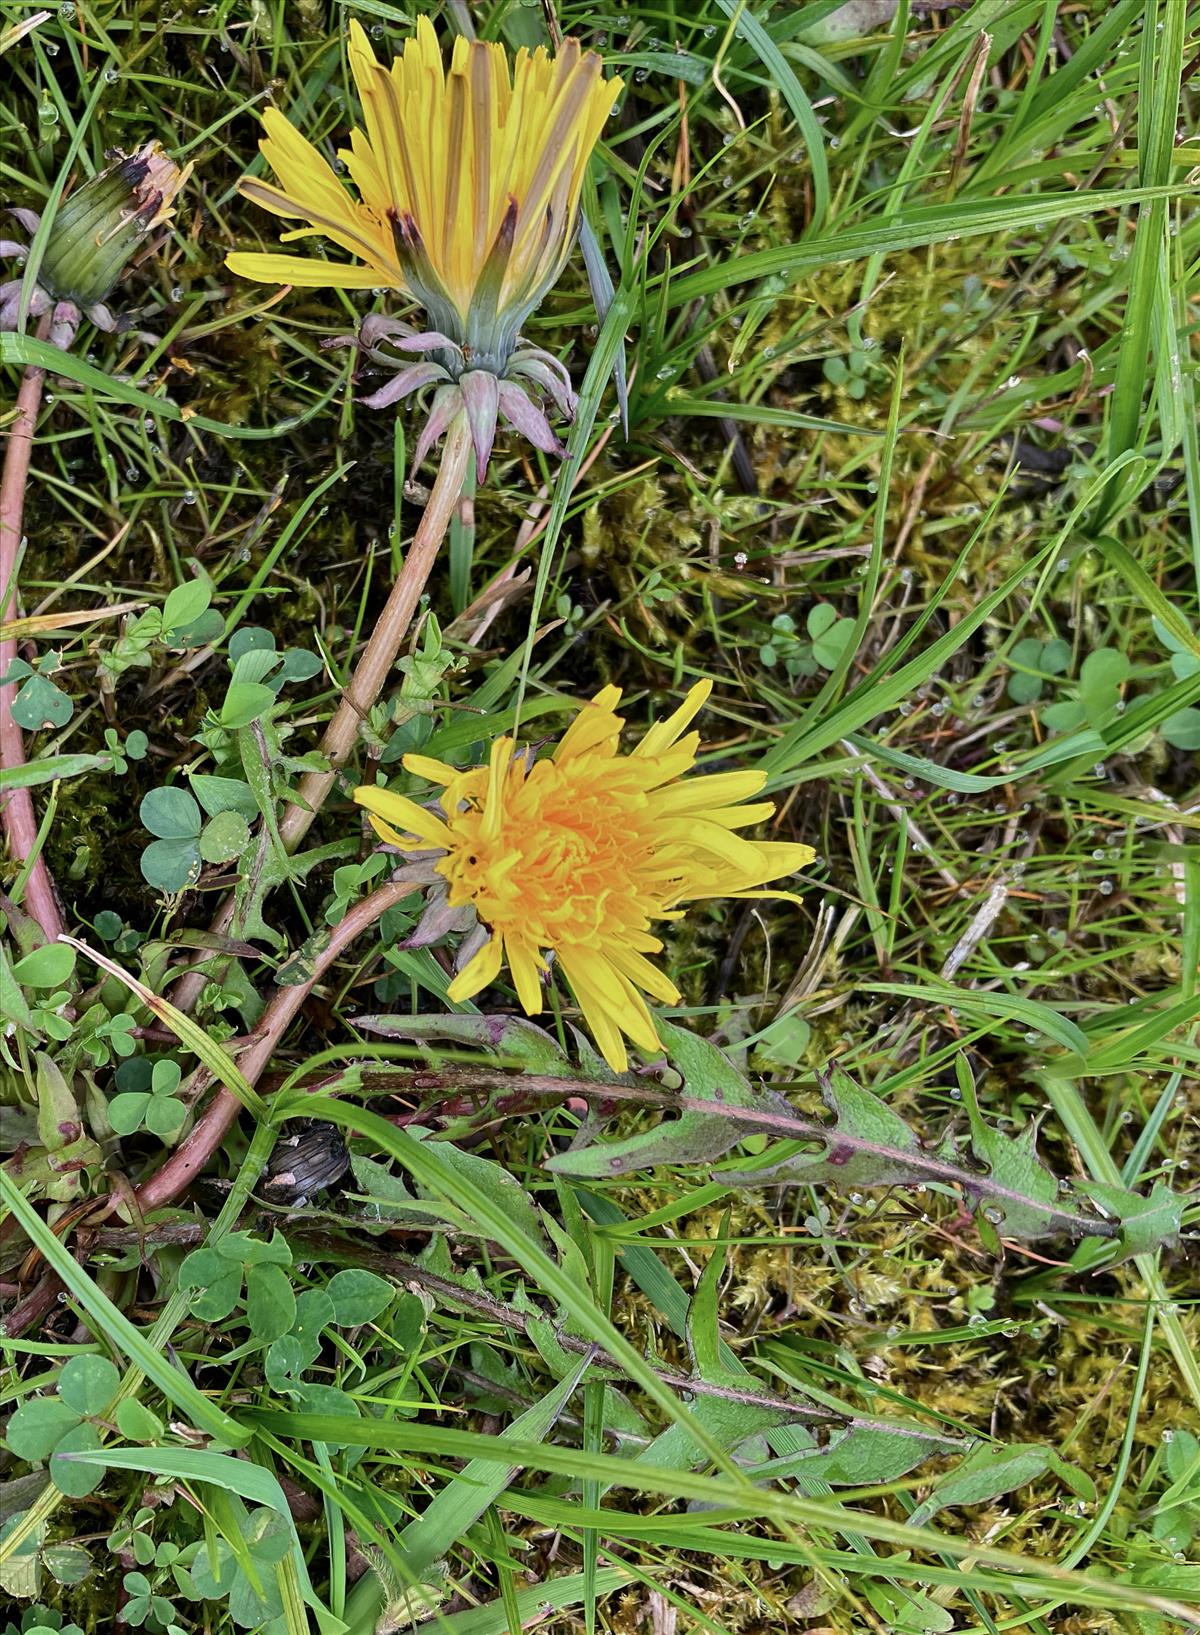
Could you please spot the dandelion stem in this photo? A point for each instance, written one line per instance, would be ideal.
(373, 669)
(193, 1154)
(369, 676)
(16, 811)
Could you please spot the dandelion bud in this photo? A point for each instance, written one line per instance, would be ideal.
(96, 230)
(101, 224)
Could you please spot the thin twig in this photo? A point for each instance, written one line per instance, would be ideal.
(511, 1317)
(34, 1308)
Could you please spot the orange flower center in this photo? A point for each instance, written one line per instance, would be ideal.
(565, 856)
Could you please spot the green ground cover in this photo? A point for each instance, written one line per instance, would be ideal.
(874, 1307)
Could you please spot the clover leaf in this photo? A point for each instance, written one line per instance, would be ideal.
(153, 1105)
(1097, 695)
(44, 1428)
(172, 862)
(1034, 662)
(218, 1274)
(41, 704)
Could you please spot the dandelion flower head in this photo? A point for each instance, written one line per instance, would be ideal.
(580, 852)
(468, 182)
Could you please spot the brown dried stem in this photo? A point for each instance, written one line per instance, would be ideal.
(373, 669)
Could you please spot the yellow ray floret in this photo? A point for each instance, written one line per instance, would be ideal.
(579, 853)
(455, 169)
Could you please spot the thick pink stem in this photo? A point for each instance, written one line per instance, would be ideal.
(16, 805)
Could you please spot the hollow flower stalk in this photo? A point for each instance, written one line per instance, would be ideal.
(468, 182)
(578, 854)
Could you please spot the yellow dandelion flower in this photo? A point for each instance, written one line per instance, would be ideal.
(468, 184)
(580, 852)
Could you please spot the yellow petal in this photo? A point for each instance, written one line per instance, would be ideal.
(599, 1023)
(742, 856)
(301, 271)
(479, 972)
(664, 733)
(525, 962)
(596, 723)
(606, 987)
(784, 857)
(647, 977)
(405, 815)
(709, 791)
(424, 766)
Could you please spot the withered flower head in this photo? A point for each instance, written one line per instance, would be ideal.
(96, 230)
